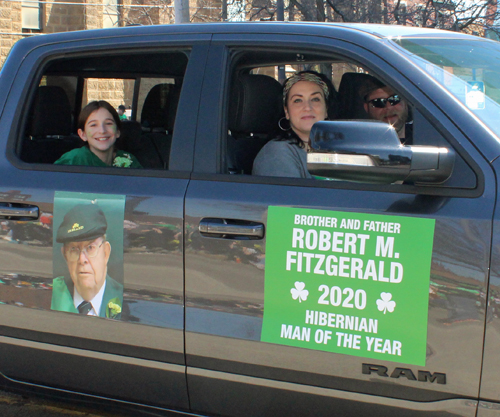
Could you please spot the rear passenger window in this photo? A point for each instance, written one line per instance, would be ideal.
(144, 90)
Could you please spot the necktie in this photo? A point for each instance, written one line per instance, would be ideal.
(84, 308)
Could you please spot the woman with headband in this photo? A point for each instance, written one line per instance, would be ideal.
(306, 96)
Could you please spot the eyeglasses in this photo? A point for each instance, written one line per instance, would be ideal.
(380, 103)
(90, 251)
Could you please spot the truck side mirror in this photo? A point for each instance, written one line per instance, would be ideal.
(370, 151)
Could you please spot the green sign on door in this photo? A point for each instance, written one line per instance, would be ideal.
(349, 283)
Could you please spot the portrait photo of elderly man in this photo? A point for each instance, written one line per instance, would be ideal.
(87, 288)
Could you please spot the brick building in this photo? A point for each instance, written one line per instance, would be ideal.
(20, 19)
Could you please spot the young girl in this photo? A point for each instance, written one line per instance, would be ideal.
(99, 126)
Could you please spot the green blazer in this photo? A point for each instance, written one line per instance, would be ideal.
(112, 299)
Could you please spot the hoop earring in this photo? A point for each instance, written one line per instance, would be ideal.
(281, 127)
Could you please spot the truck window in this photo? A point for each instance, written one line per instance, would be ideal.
(143, 88)
(357, 93)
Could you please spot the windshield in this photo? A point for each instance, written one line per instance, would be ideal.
(469, 69)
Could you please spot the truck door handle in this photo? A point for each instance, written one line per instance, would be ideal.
(17, 211)
(212, 227)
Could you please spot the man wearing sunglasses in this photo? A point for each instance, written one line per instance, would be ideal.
(88, 290)
(382, 103)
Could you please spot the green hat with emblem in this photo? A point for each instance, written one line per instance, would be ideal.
(82, 222)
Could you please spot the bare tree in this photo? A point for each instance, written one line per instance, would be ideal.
(471, 16)
(458, 15)
(147, 12)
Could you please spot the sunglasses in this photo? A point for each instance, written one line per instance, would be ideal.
(380, 103)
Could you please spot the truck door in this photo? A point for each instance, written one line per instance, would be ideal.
(488, 405)
(275, 326)
(134, 350)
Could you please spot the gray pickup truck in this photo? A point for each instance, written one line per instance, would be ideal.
(245, 295)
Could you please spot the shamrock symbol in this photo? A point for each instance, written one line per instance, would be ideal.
(122, 161)
(386, 304)
(299, 291)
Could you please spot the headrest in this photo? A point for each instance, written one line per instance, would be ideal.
(351, 102)
(255, 105)
(130, 135)
(51, 112)
(160, 107)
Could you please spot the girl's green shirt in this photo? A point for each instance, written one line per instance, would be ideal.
(84, 156)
